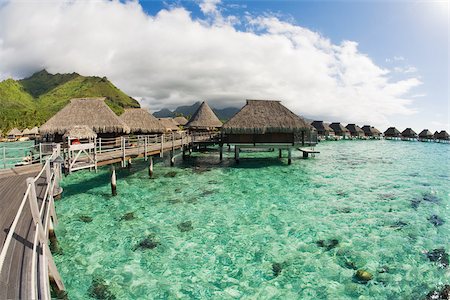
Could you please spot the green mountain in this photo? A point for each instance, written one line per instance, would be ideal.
(32, 101)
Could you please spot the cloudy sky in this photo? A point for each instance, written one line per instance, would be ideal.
(365, 62)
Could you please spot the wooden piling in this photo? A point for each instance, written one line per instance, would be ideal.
(129, 165)
(236, 154)
(172, 158)
(289, 156)
(150, 168)
(113, 182)
(280, 154)
(221, 152)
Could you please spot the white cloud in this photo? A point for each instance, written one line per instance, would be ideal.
(172, 59)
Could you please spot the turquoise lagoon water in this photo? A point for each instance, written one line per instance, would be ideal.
(255, 227)
(14, 152)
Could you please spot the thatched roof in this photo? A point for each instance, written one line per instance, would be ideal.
(370, 130)
(141, 121)
(169, 124)
(320, 126)
(426, 134)
(409, 133)
(34, 130)
(15, 132)
(354, 129)
(339, 129)
(26, 131)
(181, 120)
(265, 116)
(80, 132)
(204, 118)
(443, 135)
(92, 112)
(392, 132)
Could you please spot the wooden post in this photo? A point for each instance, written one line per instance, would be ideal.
(145, 148)
(113, 182)
(305, 154)
(172, 158)
(99, 145)
(221, 152)
(236, 154)
(229, 148)
(129, 164)
(150, 168)
(289, 155)
(40, 153)
(162, 146)
(280, 154)
(123, 151)
(48, 173)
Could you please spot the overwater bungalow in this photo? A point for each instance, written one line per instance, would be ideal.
(34, 132)
(267, 124)
(371, 132)
(339, 130)
(204, 119)
(26, 132)
(14, 134)
(140, 121)
(409, 134)
(181, 121)
(355, 131)
(324, 131)
(425, 135)
(436, 135)
(92, 112)
(443, 136)
(392, 133)
(169, 124)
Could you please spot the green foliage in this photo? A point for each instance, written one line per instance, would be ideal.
(32, 101)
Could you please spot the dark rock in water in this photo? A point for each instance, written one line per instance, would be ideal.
(207, 192)
(85, 219)
(100, 290)
(213, 182)
(128, 216)
(171, 174)
(54, 245)
(174, 201)
(199, 170)
(440, 256)
(398, 225)
(185, 226)
(148, 243)
(431, 198)
(415, 203)
(387, 196)
(177, 190)
(276, 269)
(436, 220)
(384, 269)
(362, 276)
(443, 294)
(350, 265)
(328, 244)
(345, 210)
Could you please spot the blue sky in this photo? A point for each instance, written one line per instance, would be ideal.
(377, 62)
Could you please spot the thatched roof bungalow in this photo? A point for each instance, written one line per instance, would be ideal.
(355, 130)
(92, 112)
(140, 121)
(204, 119)
(169, 124)
(408, 133)
(443, 135)
(426, 134)
(26, 132)
(392, 132)
(371, 131)
(14, 133)
(339, 130)
(323, 129)
(182, 121)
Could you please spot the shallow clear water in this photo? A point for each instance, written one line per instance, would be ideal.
(247, 217)
(14, 152)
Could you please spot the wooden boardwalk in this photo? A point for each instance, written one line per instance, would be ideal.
(15, 276)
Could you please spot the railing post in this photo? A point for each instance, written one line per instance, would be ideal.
(40, 153)
(162, 146)
(48, 174)
(173, 141)
(145, 148)
(123, 151)
(99, 145)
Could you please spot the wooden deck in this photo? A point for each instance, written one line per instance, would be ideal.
(15, 277)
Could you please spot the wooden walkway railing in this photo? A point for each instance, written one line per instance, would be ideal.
(36, 265)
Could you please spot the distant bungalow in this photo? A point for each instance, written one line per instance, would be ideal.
(324, 130)
(340, 130)
(169, 124)
(204, 119)
(14, 134)
(370, 131)
(392, 133)
(409, 134)
(443, 136)
(355, 130)
(266, 124)
(181, 121)
(425, 135)
(92, 112)
(140, 121)
(34, 132)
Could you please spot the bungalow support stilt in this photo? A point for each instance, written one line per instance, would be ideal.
(289, 156)
(280, 154)
(236, 154)
(221, 152)
(150, 168)
(113, 182)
